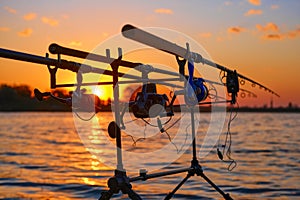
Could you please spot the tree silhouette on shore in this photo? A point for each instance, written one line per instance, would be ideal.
(21, 98)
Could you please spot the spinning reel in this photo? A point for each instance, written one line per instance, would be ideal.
(195, 90)
(149, 104)
(84, 102)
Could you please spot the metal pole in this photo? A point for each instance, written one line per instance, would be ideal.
(118, 133)
(193, 133)
(159, 174)
(115, 67)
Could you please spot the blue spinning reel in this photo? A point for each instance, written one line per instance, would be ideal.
(195, 91)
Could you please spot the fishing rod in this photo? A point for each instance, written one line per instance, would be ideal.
(154, 41)
(84, 68)
(58, 63)
(57, 49)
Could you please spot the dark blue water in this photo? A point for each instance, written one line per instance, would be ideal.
(42, 157)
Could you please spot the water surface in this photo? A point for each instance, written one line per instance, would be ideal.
(42, 157)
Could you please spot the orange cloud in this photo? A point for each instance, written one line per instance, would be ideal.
(227, 3)
(4, 29)
(253, 12)
(10, 10)
(65, 16)
(273, 37)
(294, 33)
(235, 29)
(274, 7)
(105, 34)
(164, 11)
(26, 32)
(75, 43)
(268, 27)
(254, 2)
(49, 21)
(205, 35)
(280, 36)
(220, 39)
(29, 16)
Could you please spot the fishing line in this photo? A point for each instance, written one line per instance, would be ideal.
(142, 138)
(94, 113)
(222, 76)
(164, 131)
(178, 150)
(171, 141)
(84, 119)
(156, 125)
(210, 95)
(228, 140)
(128, 122)
(137, 140)
(175, 122)
(186, 136)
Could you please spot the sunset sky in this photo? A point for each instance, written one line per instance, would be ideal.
(259, 38)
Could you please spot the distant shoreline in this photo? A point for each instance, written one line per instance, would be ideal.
(176, 109)
(19, 98)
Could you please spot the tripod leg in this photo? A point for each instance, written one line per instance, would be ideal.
(131, 194)
(106, 195)
(226, 196)
(170, 195)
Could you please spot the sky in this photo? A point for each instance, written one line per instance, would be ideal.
(258, 38)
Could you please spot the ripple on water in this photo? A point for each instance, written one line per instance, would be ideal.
(42, 157)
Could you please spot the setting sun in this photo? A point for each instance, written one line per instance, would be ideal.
(99, 92)
(103, 92)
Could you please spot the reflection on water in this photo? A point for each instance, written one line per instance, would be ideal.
(42, 157)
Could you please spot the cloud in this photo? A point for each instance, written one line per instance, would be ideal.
(75, 43)
(10, 10)
(205, 35)
(164, 11)
(268, 27)
(294, 33)
(254, 2)
(274, 7)
(227, 3)
(4, 29)
(49, 21)
(273, 37)
(65, 16)
(29, 16)
(104, 34)
(26, 32)
(280, 36)
(235, 29)
(253, 12)
(220, 39)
